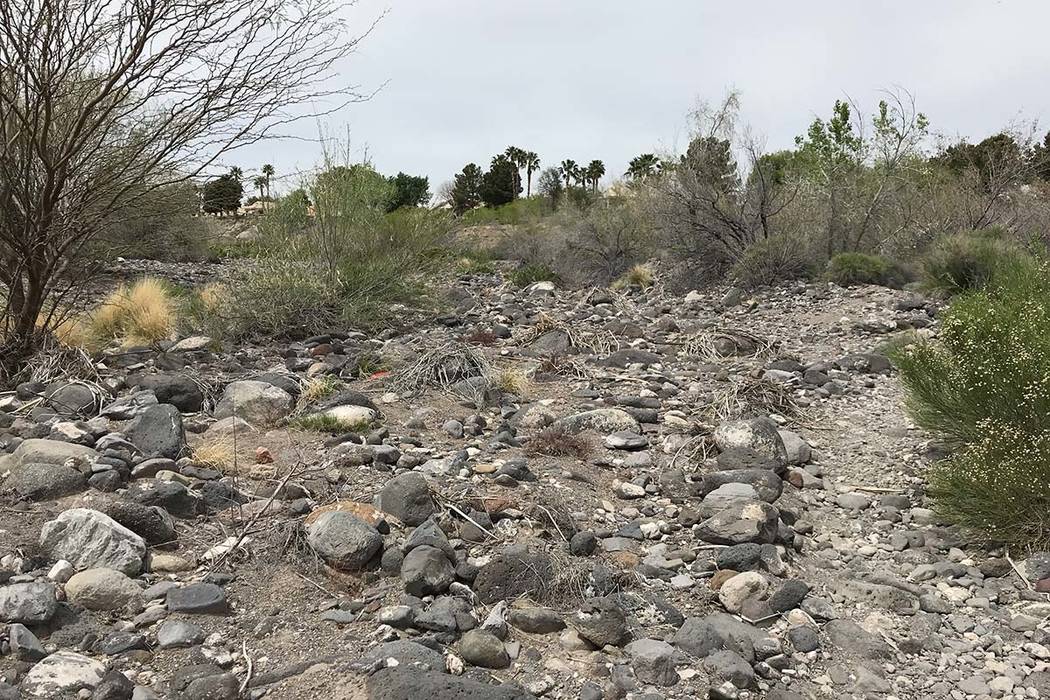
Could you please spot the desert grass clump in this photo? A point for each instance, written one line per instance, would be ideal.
(555, 441)
(851, 269)
(319, 388)
(142, 313)
(637, 277)
(531, 273)
(983, 387)
(216, 453)
(327, 423)
(968, 261)
(511, 380)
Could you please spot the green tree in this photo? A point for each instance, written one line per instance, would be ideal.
(643, 166)
(595, 171)
(516, 156)
(223, 194)
(569, 171)
(532, 164)
(549, 185)
(501, 184)
(466, 189)
(409, 191)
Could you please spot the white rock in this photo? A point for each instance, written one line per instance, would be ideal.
(736, 590)
(60, 673)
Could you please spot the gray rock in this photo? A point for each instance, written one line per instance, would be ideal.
(854, 639)
(28, 603)
(653, 661)
(409, 684)
(761, 435)
(73, 399)
(484, 649)
(623, 440)
(41, 451)
(198, 599)
(804, 639)
(767, 485)
(63, 672)
(102, 589)
(405, 654)
(114, 686)
(702, 636)
(179, 634)
(513, 573)
(89, 539)
(259, 403)
(426, 571)
(344, 541)
(36, 481)
(601, 621)
(600, 420)
(176, 389)
(407, 498)
(798, 450)
(729, 666)
(24, 644)
(158, 432)
(203, 681)
(154, 524)
(749, 521)
(535, 620)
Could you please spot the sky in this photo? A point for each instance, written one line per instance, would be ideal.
(460, 80)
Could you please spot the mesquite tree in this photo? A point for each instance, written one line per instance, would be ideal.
(104, 101)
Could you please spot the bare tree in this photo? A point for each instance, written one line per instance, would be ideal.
(103, 101)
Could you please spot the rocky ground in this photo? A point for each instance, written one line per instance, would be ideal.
(547, 493)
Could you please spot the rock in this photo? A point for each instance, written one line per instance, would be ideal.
(804, 639)
(193, 343)
(179, 634)
(789, 596)
(623, 440)
(601, 621)
(407, 498)
(426, 571)
(62, 673)
(766, 484)
(37, 481)
(114, 686)
(747, 521)
(759, 435)
(535, 620)
(28, 603)
(158, 432)
(198, 599)
(601, 420)
(102, 589)
(344, 541)
(653, 661)
(514, 573)
(409, 684)
(89, 539)
(176, 389)
(154, 524)
(73, 399)
(484, 649)
(203, 682)
(41, 451)
(404, 654)
(259, 403)
(729, 666)
(351, 415)
(798, 450)
(583, 544)
(632, 356)
(854, 639)
(702, 636)
(740, 588)
(24, 644)
(853, 501)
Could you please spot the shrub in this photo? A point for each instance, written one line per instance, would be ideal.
(530, 273)
(772, 260)
(325, 423)
(140, 313)
(965, 262)
(557, 442)
(984, 387)
(164, 225)
(849, 269)
(518, 212)
(639, 276)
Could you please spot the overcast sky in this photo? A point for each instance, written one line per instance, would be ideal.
(609, 79)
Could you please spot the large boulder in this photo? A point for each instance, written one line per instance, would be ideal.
(176, 389)
(259, 403)
(760, 435)
(396, 683)
(36, 481)
(102, 589)
(407, 498)
(73, 399)
(344, 541)
(745, 521)
(28, 603)
(600, 420)
(62, 674)
(702, 636)
(158, 432)
(42, 451)
(89, 539)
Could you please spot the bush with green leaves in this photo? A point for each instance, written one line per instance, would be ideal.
(850, 269)
(773, 260)
(531, 273)
(967, 261)
(984, 388)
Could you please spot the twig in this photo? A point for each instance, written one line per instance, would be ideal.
(315, 584)
(553, 522)
(251, 667)
(475, 522)
(1018, 572)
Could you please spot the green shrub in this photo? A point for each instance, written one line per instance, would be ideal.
(520, 211)
(773, 260)
(984, 387)
(325, 423)
(530, 273)
(849, 269)
(967, 261)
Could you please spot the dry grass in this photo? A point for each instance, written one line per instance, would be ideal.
(639, 276)
(601, 342)
(142, 313)
(441, 367)
(216, 453)
(318, 388)
(712, 346)
(747, 397)
(511, 380)
(212, 296)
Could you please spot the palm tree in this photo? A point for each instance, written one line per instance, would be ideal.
(643, 166)
(532, 164)
(260, 184)
(595, 171)
(568, 171)
(267, 171)
(236, 173)
(517, 156)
